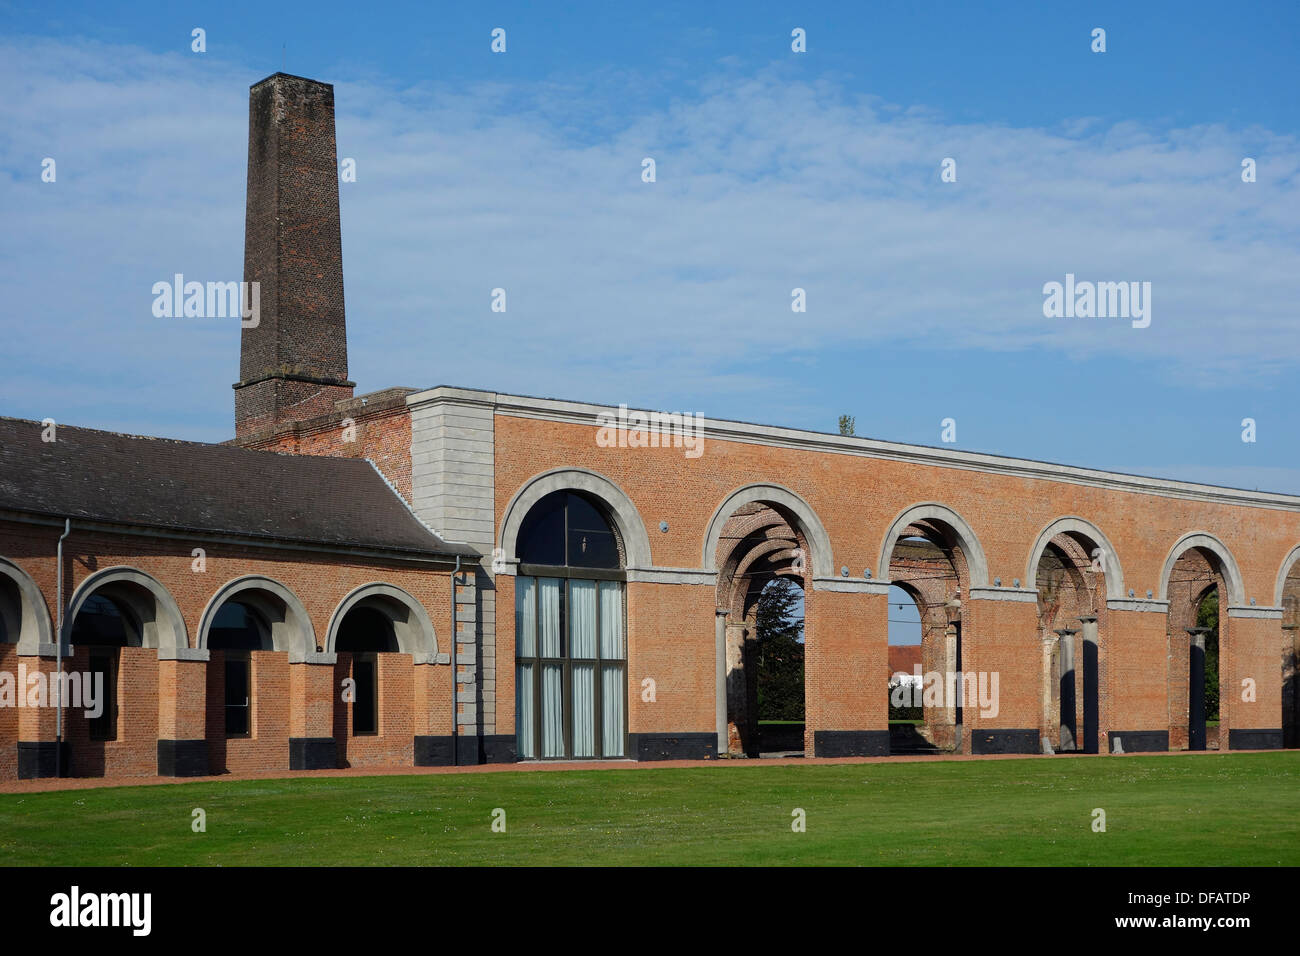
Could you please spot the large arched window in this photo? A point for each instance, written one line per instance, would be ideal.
(570, 650)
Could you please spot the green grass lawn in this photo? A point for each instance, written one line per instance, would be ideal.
(1229, 809)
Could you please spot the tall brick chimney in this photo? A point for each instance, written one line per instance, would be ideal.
(294, 364)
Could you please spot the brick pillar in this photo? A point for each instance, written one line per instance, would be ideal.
(1000, 664)
(38, 745)
(312, 692)
(1250, 680)
(846, 669)
(182, 712)
(433, 712)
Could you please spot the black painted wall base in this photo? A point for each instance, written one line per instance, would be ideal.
(1255, 739)
(850, 743)
(499, 748)
(313, 753)
(672, 746)
(469, 751)
(182, 758)
(1005, 742)
(37, 758)
(433, 751)
(1140, 741)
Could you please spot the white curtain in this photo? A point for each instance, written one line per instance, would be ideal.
(552, 710)
(613, 676)
(526, 617)
(582, 619)
(584, 710)
(611, 620)
(611, 712)
(524, 729)
(550, 616)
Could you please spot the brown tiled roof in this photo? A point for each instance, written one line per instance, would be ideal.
(214, 489)
(904, 657)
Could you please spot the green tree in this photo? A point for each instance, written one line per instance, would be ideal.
(847, 424)
(779, 650)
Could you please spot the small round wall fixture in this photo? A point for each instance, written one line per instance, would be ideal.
(1016, 583)
(1148, 594)
(867, 574)
(844, 571)
(1131, 592)
(663, 526)
(997, 582)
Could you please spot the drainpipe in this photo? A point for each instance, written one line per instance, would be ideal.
(454, 727)
(58, 655)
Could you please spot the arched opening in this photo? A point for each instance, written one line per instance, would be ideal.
(570, 646)
(933, 558)
(252, 628)
(1070, 578)
(907, 627)
(365, 633)
(237, 630)
(1197, 583)
(11, 610)
(1290, 604)
(24, 618)
(107, 619)
(762, 558)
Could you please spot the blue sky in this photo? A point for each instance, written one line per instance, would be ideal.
(775, 170)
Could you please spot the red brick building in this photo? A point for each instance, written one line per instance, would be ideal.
(416, 577)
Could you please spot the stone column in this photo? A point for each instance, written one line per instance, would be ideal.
(1069, 715)
(720, 678)
(1196, 689)
(1091, 685)
(1290, 699)
(738, 717)
(1051, 726)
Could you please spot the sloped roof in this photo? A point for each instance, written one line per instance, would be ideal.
(215, 489)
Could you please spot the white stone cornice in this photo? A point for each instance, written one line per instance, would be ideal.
(584, 413)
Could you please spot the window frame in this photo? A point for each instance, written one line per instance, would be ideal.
(371, 660)
(566, 660)
(109, 718)
(242, 658)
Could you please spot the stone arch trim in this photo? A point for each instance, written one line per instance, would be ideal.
(1227, 563)
(624, 513)
(294, 634)
(931, 510)
(811, 525)
(35, 629)
(168, 631)
(415, 635)
(1109, 561)
(1279, 590)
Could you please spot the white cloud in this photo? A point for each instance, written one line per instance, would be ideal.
(620, 290)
